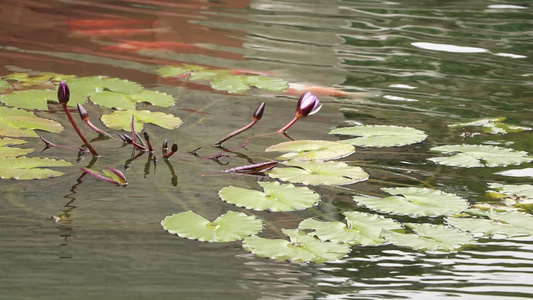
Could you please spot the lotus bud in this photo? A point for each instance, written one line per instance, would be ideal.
(258, 113)
(84, 115)
(173, 150)
(63, 93)
(308, 104)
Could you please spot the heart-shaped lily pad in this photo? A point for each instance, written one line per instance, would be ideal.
(509, 223)
(12, 151)
(513, 190)
(4, 85)
(300, 248)
(381, 135)
(493, 126)
(22, 168)
(129, 101)
(318, 172)
(414, 202)
(360, 228)
(20, 123)
(230, 227)
(469, 156)
(30, 99)
(429, 237)
(121, 119)
(312, 150)
(276, 197)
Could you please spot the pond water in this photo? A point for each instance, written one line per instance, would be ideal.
(419, 64)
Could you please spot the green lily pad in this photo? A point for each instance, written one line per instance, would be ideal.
(121, 120)
(493, 126)
(30, 99)
(429, 237)
(300, 248)
(360, 228)
(513, 190)
(173, 71)
(276, 197)
(268, 83)
(208, 74)
(225, 80)
(318, 172)
(24, 168)
(381, 135)
(232, 84)
(312, 150)
(510, 223)
(129, 101)
(12, 151)
(114, 84)
(414, 202)
(20, 123)
(4, 85)
(230, 227)
(470, 156)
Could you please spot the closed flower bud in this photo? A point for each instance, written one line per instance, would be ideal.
(63, 93)
(258, 114)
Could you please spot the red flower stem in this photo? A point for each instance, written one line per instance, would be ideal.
(85, 170)
(236, 132)
(96, 129)
(82, 136)
(286, 127)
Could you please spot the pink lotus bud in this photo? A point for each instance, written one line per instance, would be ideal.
(308, 104)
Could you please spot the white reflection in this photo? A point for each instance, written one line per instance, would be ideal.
(448, 48)
(527, 172)
(510, 55)
(505, 6)
(398, 98)
(403, 86)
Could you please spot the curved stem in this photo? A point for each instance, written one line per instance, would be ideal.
(236, 132)
(286, 127)
(82, 136)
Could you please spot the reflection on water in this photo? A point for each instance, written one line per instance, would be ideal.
(424, 65)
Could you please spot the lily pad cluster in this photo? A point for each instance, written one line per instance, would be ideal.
(116, 93)
(14, 165)
(224, 80)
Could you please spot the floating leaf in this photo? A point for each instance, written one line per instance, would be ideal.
(30, 99)
(300, 248)
(155, 98)
(360, 228)
(173, 71)
(470, 156)
(512, 190)
(225, 80)
(268, 83)
(312, 150)
(381, 135)
(493, 126)
(276, 197)
(121, 120)
(414, 201)
(20, 123)
(4, 85)
(230, 227)
(231, 84)
(129, 101)
(208, 74)
(429, 237)
(30, 167)
(114, 84)
(511, 223)
(12, 151)
(317, 172)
